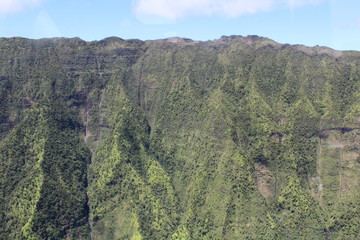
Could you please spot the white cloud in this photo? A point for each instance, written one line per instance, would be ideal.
(170, 10)
(11, 6)
(45, 27)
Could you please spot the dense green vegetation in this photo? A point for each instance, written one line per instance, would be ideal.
(43, 170)
(237, 138)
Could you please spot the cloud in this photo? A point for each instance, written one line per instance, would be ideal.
(11, 6)
(45, 27)
(170, 10)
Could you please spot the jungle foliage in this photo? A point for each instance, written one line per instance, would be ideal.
(237, 138)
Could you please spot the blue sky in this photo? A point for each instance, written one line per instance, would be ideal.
(333, 23)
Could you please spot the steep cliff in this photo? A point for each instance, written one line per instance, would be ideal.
(237, 138)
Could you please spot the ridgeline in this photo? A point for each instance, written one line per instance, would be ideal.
(236, 138)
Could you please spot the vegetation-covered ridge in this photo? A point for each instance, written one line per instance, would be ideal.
(236, 138)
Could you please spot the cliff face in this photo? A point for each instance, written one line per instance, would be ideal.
(236, 138)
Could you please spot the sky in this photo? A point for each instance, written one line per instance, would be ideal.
(332, 23)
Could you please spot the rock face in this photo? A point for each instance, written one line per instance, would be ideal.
(237, 138)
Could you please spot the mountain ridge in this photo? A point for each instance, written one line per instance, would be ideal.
(178, 139)
(175, 39)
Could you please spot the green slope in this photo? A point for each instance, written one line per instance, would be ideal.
(43, 183)
(237, 138)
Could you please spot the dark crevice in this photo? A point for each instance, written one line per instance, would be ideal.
(87, 207)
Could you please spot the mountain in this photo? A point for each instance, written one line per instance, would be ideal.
(236, 138)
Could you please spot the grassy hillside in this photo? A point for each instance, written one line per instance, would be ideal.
(237, 138)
